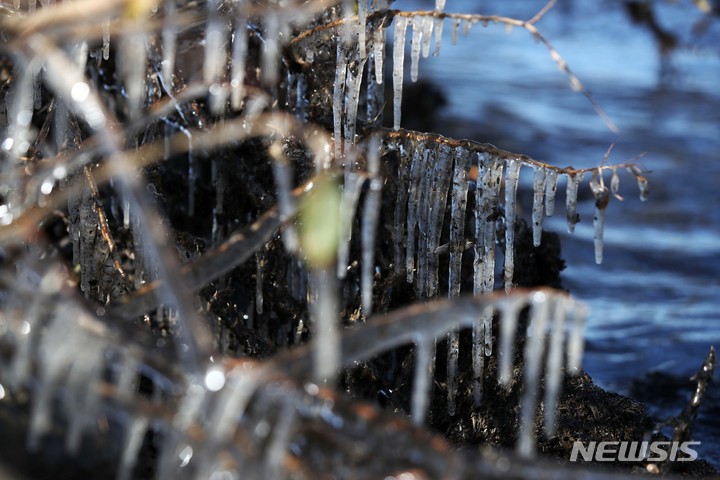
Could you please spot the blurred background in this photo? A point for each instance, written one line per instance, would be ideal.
(654, 67)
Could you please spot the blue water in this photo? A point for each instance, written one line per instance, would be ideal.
(655, 300)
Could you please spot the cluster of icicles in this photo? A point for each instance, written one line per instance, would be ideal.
(431, 171)
(60, 350)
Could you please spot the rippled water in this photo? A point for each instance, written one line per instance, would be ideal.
(655, 301)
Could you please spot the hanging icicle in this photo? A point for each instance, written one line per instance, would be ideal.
(573, 183)
(440, 181)
(169, 43)
(417, 168)
(427, 28)
(538, 203)
(439, 22)
(551, 180)
(348, 204)
(400, 238)
(532, 362)
(577, 338)
(512, 175)
(422, 380)
(554, 369)
(455, 30)
(239, 55)
(398, 60)
(362, 29)
(379, 53)
(602, 197)
(352, 96)
(417, 41)
(282, 171)
(439, 5)
(338, 97)
(371, 215)
(271, 50)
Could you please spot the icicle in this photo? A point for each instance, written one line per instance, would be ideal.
(439, 5)
(576, 343)
(422, 381)
(554, 371)
(362, 29)
(398, 60)
(615, 185)
(417, 167)
(347, 29)
(105, 40)
(534, 346)
(427, 28)
(271, 52)
(415, 45)
(551, 180)
(641, 181)
(169, 43)
(192, 173)
(379, 53)
(457, 222)
(239, 55)
(348, 205)
(282, 171)
(132, 65)
(455, 29)
(602, 197)
(400, 238)
(133, 441)
(260, 263)
(32, 5)
(573, 182)
(439, 22)
(324, 314)
(538, 203)
(278, 447)
(487, 192)
(352, 86)
(441, 179)
(371, 215)
(466, 27)
(338, 96)
(512, 175)
(422, 214)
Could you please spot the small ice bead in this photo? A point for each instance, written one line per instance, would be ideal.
(398, 60)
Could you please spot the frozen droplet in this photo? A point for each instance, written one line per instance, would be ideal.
(214, 379)
(398, 61)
